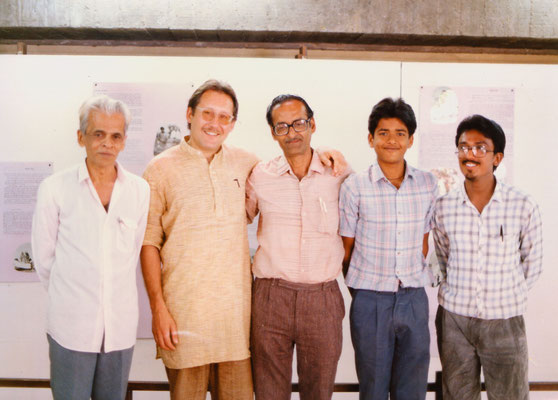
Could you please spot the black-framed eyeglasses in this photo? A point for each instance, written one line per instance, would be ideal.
(477, 150)
(282, 128)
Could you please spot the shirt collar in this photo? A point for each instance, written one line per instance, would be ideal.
(316, 165)
(184, 145)
(83, 172)
(376, 174)
(498, 194)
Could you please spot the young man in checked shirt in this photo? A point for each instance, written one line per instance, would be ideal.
(489, 242)
(385, 215)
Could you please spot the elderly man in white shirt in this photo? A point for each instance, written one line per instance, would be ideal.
(87, 233)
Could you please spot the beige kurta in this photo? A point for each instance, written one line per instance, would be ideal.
(197, 219)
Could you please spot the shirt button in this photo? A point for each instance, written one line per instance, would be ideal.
(304, 213)
(398, 253)
(399, 233)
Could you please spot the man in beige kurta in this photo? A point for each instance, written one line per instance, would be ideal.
(200, 296)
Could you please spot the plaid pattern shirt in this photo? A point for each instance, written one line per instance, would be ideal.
(488, 260)
(388, 225)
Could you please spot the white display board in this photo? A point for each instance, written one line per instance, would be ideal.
(40, 96)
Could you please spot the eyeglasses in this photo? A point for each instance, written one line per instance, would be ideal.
(282, 128)
(209, 114)
(478, 151)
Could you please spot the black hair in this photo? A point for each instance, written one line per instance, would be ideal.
(390, 108)
(489, 128)
(280, 100)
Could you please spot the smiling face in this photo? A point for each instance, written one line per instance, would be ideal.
(478, 168)
(390, 141)
(293, 143)
(103, 139)
(208, 136)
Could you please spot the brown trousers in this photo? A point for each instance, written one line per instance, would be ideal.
(286, 314)
(226, 381)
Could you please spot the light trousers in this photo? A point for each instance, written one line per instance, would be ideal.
(76, 375)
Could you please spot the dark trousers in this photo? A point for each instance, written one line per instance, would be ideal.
(77, 375)
(499, 346)
(391, 340)
(286, 314)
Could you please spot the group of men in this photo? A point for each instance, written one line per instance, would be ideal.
(224, 325)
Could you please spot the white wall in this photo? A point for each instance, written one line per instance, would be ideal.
(40, 96)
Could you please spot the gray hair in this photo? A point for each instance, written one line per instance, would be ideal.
(106, 105)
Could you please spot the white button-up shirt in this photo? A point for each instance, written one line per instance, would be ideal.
(86, 258)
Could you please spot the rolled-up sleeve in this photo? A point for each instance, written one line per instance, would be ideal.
(348, 208)
(154, 233)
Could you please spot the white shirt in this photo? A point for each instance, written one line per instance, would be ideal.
(86, 258)
(488, 260)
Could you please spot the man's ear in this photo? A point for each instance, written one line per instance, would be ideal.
(498, 157)
(80, 138)
(411, 139)
(189, 114)
(371, 140)
(312, 125)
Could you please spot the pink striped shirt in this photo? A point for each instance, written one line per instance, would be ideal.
(299, 220)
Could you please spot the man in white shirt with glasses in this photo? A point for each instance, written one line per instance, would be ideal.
(87, 233)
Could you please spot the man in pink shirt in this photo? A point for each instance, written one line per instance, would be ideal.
(296, 299)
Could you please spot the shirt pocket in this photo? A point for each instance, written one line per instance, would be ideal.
(503, 251)
(329, 215)
(375, 221)
(127, 228)
(233, 196)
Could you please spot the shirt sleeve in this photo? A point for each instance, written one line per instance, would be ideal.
(251, 197)
(144, 210)
(154, 234)
(44, 232)
(429, 215)
(441, 240)
(348, 209)
(531, 247)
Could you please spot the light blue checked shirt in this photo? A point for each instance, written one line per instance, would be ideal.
(488, 260)
(388, 226)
